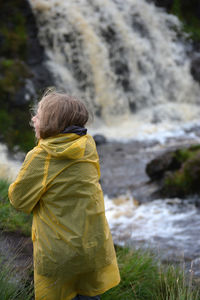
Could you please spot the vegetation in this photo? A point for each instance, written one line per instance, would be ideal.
(182, 155)
(14, 116)
(10, 287)
(142, 278)
(189, 13)
(177, 172)
(185, 180)
(10, 219)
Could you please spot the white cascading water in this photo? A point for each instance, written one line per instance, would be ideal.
(125, 58)
(9, 167)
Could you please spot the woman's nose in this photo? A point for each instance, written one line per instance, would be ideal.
(33, 118)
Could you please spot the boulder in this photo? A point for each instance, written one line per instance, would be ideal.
(177, 172)
(156, 168)
(184, 181)
(99, 139)
(195, 68)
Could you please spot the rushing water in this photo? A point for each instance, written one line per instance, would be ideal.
(125, 58)
(170, 226)
(9, 167)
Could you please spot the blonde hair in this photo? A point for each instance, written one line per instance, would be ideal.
(58, 111)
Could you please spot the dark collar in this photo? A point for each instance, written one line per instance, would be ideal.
(75, 129)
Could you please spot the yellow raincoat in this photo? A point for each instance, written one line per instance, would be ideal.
(73, 248)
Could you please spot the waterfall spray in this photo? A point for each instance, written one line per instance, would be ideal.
(123, 57)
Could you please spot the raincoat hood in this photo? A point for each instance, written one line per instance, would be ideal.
(67, 145)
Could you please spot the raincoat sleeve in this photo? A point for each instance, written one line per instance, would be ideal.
(29, 185)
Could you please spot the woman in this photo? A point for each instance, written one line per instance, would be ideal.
(59, 182)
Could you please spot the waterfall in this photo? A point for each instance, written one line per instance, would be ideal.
(123, 57)
(9, 167)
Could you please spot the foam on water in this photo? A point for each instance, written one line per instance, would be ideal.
(153, 126)
(9, 167)
(125, 57)
(165, 224)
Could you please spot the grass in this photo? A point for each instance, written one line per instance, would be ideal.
(10, 219)
(175, 285)
(138, 276)
(143, 277)
(12, 288)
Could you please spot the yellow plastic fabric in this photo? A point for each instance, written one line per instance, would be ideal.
(73, 248)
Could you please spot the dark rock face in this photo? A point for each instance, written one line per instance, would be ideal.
(164, 3)
(190, 6)
(41, 77)
(23, 74)
(195, 68)
(156, 168)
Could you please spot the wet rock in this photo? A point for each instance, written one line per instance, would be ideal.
(123, 169)
(99, 139)
(156, 168)
(184, 181)
(195, 68)
(164, 3)
(41, 77)
(177, 172)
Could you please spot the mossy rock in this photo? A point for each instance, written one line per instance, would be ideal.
(170, 161)
(184, 181)
(177, 172)
(157, 168)
(182, 155)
